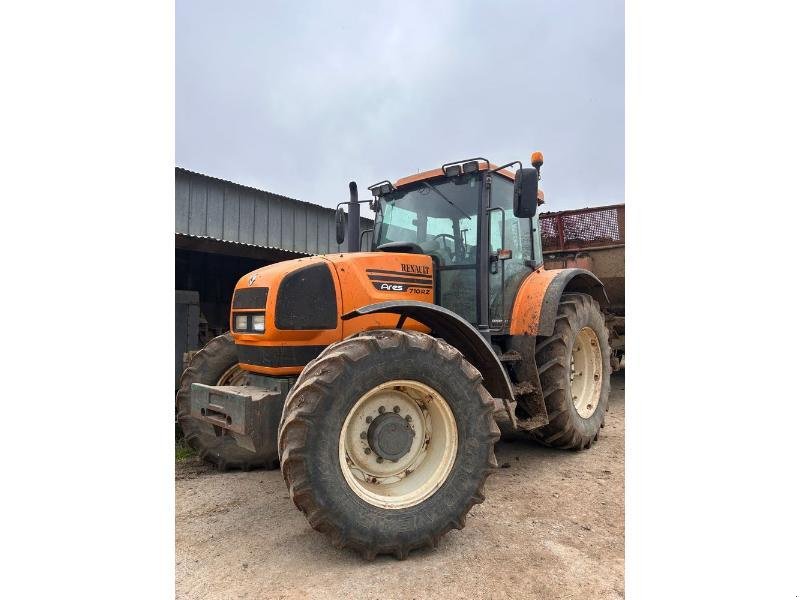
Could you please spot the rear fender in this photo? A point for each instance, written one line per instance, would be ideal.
(455, 331)
(536, 304)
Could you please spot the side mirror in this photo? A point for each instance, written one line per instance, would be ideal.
(340, 225)
(526, 190)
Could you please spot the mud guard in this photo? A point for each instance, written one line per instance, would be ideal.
(536, 305)
(569, 280)
(455, 331)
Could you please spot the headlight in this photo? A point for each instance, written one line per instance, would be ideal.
(249, 322)
(240, 323)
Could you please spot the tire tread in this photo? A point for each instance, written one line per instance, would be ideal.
(295, 428)
(553, 365)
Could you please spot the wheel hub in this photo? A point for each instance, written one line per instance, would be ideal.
(390, 436)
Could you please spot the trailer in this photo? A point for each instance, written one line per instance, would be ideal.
(592, 239)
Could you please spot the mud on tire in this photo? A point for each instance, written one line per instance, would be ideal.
(567, 429)
(318, 407)
(216, 364)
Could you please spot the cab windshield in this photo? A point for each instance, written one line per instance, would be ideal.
(440, 216)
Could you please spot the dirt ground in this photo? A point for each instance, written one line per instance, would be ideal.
(552, 526)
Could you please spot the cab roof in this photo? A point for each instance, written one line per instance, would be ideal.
(433, 173)
(482, 166)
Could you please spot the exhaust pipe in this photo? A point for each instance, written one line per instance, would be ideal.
(353, 220)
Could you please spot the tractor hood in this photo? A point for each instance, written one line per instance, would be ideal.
(284, 313)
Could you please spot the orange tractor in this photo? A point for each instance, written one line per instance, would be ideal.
(376, 378)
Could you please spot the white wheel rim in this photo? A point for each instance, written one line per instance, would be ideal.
(423, 469)
(586, 372)
(235, 375)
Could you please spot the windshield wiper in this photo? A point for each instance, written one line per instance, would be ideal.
(446, 199)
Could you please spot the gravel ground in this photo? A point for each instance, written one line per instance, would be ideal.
(552, 526)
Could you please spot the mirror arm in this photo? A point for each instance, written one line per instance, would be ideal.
(347, 202)
(361, 237)
(345, 215)
(505, 166)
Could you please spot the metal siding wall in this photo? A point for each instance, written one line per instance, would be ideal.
(325, 236)
(287, 227)
(197, 208)
(181, 203)
(230, 218)
(300, 229)
(261, 223)
(214, 210)
(222, 210)
(312, 235)
(274, 225)
(247, 213)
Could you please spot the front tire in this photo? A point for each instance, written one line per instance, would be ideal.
(216, 364)
(386, 442)
(574, 369)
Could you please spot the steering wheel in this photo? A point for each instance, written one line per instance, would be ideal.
(447, 235)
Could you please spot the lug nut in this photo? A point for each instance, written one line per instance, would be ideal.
(381, 409)
(368, 419)
(408, 418)
(396, 409)
(379, 459)
(363, 435)
(367, 450)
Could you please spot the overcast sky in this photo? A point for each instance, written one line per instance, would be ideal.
(299, 98)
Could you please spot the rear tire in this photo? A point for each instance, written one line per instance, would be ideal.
(329, 471)
(217, 364)
(574, 370)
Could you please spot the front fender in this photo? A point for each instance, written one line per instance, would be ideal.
(455, 331)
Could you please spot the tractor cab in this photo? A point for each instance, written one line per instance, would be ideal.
(463, 217)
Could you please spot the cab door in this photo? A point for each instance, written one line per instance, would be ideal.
(506, 232)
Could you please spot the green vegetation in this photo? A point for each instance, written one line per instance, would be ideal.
(183, 451)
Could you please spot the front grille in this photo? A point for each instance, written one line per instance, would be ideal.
(307, 299)
(278, 356)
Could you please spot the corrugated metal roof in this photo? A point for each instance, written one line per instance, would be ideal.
(208, 207)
